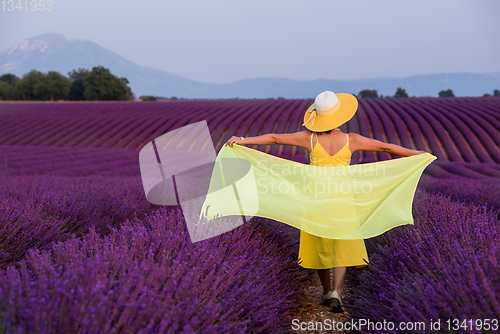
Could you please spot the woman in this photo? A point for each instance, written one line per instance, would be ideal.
(328, 146)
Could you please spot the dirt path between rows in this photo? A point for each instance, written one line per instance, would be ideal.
(309, 311)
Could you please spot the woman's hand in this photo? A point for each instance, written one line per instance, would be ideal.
(233, 140)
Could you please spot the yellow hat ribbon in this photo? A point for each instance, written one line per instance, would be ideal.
(322, 113)
(311, 117)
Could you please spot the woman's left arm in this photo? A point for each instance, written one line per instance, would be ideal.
(296, 139)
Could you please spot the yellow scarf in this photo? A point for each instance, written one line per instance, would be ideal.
(335, 202)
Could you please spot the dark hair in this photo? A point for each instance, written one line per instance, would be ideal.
(324, 131)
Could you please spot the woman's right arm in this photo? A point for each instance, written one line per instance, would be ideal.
(358, 142)
(295, 139)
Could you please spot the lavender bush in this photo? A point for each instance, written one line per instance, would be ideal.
(446, 266)
(147, 277)
(81, 250)
(482, 192)
(37, 210)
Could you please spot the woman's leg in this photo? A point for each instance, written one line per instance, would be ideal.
(338, 278)
(324, 276)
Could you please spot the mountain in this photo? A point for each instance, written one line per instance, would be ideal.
(57, 52)
(462, 84)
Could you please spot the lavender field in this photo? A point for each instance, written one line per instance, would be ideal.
(81, 249)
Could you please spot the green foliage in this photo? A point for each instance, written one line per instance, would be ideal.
(38, 86)
(496, 92)
(7, 84)
(52, 86)
(367, 93)
(446, 93)
(25, 88)
(148, 98)
(77, 86)
(101, 85)
(10, 79)
(98, 84)
(4, 90)
(400, 92)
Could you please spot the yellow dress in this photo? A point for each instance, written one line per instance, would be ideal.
(335, 207)
(322, 253)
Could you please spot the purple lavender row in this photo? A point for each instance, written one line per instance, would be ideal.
(134, 124)
(399, 126)
(382, 126)
(280, 118)
(353, 126)
(226, 124)
(148, 277)
(137, 123)
(469, 131)
(79, 161)
(422, 132)
(66, 161)
(365, 130)
(485, 169)
(38, 210)
(294, 125)
(488, 105)
(485, 127)
(424, 117)
(444, 267)
(155, 126)
(483, 192)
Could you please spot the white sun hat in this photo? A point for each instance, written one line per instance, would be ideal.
(330, 110)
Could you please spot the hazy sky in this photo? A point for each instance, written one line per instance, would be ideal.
(223, 41)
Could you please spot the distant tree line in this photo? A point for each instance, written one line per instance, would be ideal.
(156, 98)
(97, 84)
(400, 92)
(496, 92)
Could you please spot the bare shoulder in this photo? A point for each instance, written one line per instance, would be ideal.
(299, 138)
(298, 135)
(304, 134)
(305, 137)
(353, 139)
(355, 136)
(359, 142)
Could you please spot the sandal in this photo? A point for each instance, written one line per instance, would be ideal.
(326, 299)
(336, 303)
